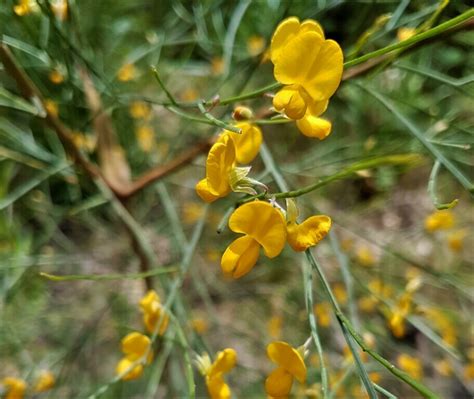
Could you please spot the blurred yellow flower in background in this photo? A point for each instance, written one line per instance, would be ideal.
(405, 33)
(134, 346)
(200, 325)
(25, 7)
(146, 138)
(365, 256)
(126, 73)
(410, 365)
(45, 381)
(56, 77)
(323, 311)
(140, 110)
(154, 314)
(274, 326)
(439, 220)
(255, 45)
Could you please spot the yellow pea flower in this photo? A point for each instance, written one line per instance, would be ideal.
(322, 311)
(307, 234)
(154, 313)
(15, 387)
(214, 373)
(309, 66)
(146, 138)
(25, 7)
(290, 364)
(262, 226)
(45, 381)
(126, 73)
(247, 144)
(139, 110)
(219, 164)
(255, 45)
(410, 365)
(134, 347)
(439, 220)
(398, 315)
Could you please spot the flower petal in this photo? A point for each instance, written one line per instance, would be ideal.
(240, 256)
(287, 358)
(247, 144)
(217, 388)
(295, 60)
(309, 233)
(125, 364)
(150, 301)
(290, 101)
(287, 29)
(324, 75)
(152, 319)
(311, 25)
(314, 127)
(278, 383)
(225, 361)
(202, 189)
(134, 345)
(262, 222)
(219, 162)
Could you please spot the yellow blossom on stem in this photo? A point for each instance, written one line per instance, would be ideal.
(25, 7)
(139, 110)
(126, 73)
(310, 67)
(365, 256)
(410, 365)
(134, 346)
(15, 387)
(405, 33)
(307, 234)
(214, 373)
(200, 325)
(262, 226)
(290, 364)
(247, 144)
(154, 313)
(255, 45)
(146, 138)
(322, 311)
(45, 381)
(439, 220)
(56, 77)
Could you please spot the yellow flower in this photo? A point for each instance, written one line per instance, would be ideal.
(365, 256)
(126, 73)
(85, 142)
(217, 65)
(134, 346)
(15, 387)
(274, 326)
(323, 313)
(312, 126)
(247, 144)
(290, 364)
(60, 9)
(398, 315)
(444, 324)
(154, 313)
(25, 7)
(139, 110)
(469, 371)
(52, 107)
(192, 212)
(199, 325)
(340, 293)
(146, 138)
(439, 220)
(443, 367)
(56, 77)
(219, 164)
(309, 66)
(307, 234)
(405, 33)
(45, 381)
(262, 226)
(456, 240)
(255, 45)
(375, 377)
(214, 373)
(410, 365)
(189, 94)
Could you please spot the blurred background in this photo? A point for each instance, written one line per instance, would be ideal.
(390, 253)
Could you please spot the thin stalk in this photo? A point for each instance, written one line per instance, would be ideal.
(432, 189)
(163, 87)
(217, 122)
(108, 277)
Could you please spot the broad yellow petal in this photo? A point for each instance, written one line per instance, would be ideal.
(310, 25)
(314, 127)
(152, 319)
(150, 301)
(309, 233)
(125, 364)
(324, 75)
(217, 387)
(225, 361)
(262, 222)
(287, 358)
(290, 101)
(278, 383)
(220, 161)
(134, 345)
(316, 108)
(247, 144)
(240, 256)
(297, 58)
(284, 32)
(202, 189)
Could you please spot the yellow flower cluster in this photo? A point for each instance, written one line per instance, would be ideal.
(264, 226)
(15, 388)
(137, 347)
(310, 68)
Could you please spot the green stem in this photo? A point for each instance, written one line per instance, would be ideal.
(418, 386)
(414, 39)
(163, 87)
(216, 121)
(108, 277)
(432, 189)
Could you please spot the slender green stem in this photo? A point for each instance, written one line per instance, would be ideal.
(216, 121)
(414, 39)
(249, 95)
(308, 285)
(418, 386)
(108, 277)
(163, 87)
(388, 394)
(432, 189)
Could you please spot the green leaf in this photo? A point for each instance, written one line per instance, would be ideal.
(10, 100)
